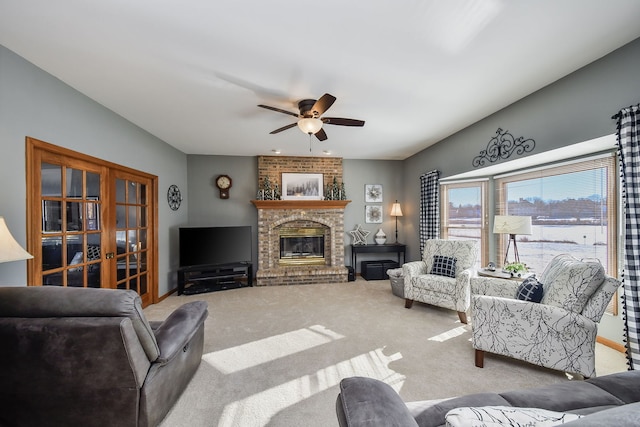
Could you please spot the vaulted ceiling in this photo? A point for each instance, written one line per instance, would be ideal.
(192, 72)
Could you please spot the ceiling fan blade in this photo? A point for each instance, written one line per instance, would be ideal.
(283, 128)
(321, 135)
(342, 122)
(268, 107)
(323, 104)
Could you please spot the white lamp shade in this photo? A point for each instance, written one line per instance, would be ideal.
(310, 125)
(510, 224)
(10, 250)
(396, 210)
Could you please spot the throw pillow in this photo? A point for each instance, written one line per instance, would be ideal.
(530, 290)
(495, 416)
(444, 266)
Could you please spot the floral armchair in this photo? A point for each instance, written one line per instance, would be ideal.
(443, 276)
(559, 332)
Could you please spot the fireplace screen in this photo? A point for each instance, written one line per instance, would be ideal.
(302, 246)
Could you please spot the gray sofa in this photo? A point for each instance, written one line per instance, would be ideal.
(89, 357)
(610, 400)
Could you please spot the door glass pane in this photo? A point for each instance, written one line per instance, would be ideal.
(51, 176)
(143, 239)
(93, 276)
(121, 216)
(143, 284)
(74, 216)
(121, 186)
(133, 284)
(74, 183)
(51, 216)
(143, 216)
(133, 240)
(132, 196)
(143, 194)
(93, 185)
(133, 220)
(121, 242)
(93, 217)
(94, 248)
(51, 252)
(75, 252)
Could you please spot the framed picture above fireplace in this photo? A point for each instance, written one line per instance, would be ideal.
(302, 186)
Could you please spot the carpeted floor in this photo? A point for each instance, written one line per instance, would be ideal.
(274, 355)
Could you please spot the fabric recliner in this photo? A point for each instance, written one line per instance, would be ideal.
(453, 293)
(559, 332)
(89, 357)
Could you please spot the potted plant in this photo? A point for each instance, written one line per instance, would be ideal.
(516, 269)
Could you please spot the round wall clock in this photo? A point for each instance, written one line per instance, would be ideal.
(223, 182)
(173, 197)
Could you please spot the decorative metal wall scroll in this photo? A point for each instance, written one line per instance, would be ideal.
(502, 146)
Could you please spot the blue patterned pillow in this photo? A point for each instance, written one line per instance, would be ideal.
(530, 290)
(444, 266)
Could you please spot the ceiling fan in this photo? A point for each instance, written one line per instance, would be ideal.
(309, 120)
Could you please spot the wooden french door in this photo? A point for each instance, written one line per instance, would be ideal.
(91, 222)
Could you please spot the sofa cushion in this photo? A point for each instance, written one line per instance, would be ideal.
(489, 416)
(444, 266)
(570, 282)
(530, 290)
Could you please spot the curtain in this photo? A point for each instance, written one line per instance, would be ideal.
(628, 131)
(429, 207)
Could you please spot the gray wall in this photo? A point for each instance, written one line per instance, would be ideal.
(34, 103)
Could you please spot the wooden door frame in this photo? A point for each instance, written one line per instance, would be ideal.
(32, 146)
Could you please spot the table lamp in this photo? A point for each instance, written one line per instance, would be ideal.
(10, 250)
(512, 225)
(396, 211)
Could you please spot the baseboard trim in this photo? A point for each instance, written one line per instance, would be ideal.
(611, 344)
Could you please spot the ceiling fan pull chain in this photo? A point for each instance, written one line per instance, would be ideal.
(310, 142)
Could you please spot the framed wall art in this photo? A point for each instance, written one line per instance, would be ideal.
(373, 193)
(373, 214)
(302, 186)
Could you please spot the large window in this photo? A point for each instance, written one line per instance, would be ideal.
(464, 214)
(572, 207)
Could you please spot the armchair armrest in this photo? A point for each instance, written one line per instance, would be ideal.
(176, 331)
(494, 287)
(414, 268)
(365, 402)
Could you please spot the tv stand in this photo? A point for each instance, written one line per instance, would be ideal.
(196, 279)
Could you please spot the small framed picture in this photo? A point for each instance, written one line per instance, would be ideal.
(373, 193)
(373, 214)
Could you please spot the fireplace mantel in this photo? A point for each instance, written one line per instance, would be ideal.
(300, 204)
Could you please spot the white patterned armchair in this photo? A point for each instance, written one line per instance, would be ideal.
(559, 332)
(443, 276)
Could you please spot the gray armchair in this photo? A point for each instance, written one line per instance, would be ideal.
(88, 357)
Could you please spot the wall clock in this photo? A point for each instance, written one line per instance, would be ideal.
(223, 182)
(174, 198)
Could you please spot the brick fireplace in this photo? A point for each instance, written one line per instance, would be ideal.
(276, 215)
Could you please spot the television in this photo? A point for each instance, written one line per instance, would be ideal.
(214, 245)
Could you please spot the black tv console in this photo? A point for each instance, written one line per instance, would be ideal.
(197, 279)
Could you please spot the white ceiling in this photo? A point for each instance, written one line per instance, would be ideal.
(192, 72)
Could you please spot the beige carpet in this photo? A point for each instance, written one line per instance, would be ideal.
(274, 355)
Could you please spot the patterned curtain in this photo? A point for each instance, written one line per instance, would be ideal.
(629, 155)
(429, 207)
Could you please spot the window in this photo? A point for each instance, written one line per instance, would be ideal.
(464, 214)
(572, 208)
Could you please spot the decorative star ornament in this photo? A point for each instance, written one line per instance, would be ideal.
(359, 235)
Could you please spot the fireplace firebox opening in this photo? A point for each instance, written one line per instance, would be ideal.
(301, 246)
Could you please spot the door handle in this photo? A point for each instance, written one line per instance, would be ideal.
(109, 255)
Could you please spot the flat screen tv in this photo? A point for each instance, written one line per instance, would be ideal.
(214, 245)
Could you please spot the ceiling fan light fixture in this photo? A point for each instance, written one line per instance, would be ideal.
(310, 125)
